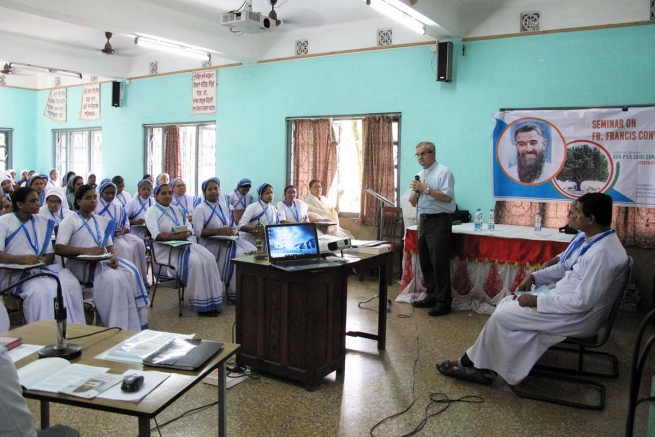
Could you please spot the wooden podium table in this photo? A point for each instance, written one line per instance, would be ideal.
(293, 324)
(43, 332)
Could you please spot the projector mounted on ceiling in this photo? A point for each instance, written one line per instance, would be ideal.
(247, 21)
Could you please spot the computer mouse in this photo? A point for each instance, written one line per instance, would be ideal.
(132, 383)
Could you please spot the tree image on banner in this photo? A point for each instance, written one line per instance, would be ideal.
(584, 163)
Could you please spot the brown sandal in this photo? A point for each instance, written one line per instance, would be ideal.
(471, 374)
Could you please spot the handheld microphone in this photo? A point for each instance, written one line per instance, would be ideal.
(417, 178)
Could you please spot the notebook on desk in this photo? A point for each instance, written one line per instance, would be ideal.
(294, 246)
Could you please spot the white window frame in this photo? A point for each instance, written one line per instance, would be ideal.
(6, 154)
(65, 160)
(203, 167)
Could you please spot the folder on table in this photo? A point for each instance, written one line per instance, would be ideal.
(183, 354)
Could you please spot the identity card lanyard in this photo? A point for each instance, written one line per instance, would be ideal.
(61, 215)
(577, 241)
(33, 244)
(97, 237)
(173, 217)
(588, 246)
(121, 198)
(184, 207)
(265, 212)
(241, 199)
(220, 210)
(294, 210)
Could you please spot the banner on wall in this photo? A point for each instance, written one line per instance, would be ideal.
(55, 108)
(203, 93)
(559, 155)
(90, 105)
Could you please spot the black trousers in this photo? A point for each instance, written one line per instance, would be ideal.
(434, 255)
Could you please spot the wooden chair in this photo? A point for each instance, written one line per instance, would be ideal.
(581, 346)
(159, 279)
(392, 229)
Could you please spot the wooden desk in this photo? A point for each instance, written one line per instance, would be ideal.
(43, 332)
(294, 324)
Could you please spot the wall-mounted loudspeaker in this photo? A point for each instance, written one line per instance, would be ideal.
(117, 94)
(445, 62)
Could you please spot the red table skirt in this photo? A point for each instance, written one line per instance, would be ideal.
(503, 250)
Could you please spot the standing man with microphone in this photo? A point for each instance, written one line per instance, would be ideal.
(434, 193)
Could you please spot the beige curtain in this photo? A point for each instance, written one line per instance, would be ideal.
(314, 154)
(173, 155)
(377, 166)
(633, 226)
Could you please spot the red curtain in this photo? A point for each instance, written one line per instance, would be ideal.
(314, 154)
(377, 166)
(633, 226)
(173, 155)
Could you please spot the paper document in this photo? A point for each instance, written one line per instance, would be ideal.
(175, 243)
(91, 387)
(95, 257)
(20, 352)
(11, 266)
(151, 380)
(53, 374)
(139, 346)
(225, 237)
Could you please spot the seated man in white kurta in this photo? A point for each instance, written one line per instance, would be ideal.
(586, 285)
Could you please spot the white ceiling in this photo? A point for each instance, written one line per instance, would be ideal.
(69, 34)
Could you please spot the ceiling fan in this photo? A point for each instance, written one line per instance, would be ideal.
(9, 69)
(273, 15)
(108, 50)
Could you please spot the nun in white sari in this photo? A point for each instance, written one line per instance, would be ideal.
(186, 202)
(25, 238)
(196, 266)
(54, 208)
(122, 196)
(127, 246)
(261, 211)
(212, 218)
(137, 207)
(118, 291)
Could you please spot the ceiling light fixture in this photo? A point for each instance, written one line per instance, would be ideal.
(41, 69)
(168, 47)
(401, 14)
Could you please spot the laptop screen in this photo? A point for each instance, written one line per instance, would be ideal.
(291, 241)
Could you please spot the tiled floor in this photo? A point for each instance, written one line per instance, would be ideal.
(375, 384)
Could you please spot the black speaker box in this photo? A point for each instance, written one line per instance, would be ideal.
(445, 62)
(117, 94)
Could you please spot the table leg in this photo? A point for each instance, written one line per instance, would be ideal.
(382, 307)
(222, 401)
(45, 414)
(144, 426)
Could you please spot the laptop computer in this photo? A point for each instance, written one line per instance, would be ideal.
(294, 246)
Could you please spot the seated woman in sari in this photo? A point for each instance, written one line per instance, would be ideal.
(162, 178)
(320, 210)
(239, 199)
(260, 211)
(122, 196)
(186, 202)
(126, 245)
(52, 179)
(118, 291)
(295, 210)
(54, 206)
(37, 182)
(137, 207)
(74, 183)
(195, 265)
(25, 238)
(7, 186)
(212, 217)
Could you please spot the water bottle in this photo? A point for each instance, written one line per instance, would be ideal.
(492, 224)
(478, 220)
(537, 224)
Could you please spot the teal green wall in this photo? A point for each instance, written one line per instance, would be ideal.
(18, 111)
(590, 68)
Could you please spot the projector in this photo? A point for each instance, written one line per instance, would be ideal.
(331, 244)
(247, 21)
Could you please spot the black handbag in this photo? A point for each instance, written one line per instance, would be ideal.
(463, 215)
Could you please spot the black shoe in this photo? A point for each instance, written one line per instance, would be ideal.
(425, 303)
(438, 311)
(211, 313)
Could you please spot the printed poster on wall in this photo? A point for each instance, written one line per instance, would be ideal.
(55, 109)
(559, 155)
(203, 92)
(90, 105)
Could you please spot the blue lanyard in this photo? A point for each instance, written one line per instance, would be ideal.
(294, 210)
(588, 246)
(184, 207)
(61, 215)
(264, 213)
(577, 241)
(97, 238)
(143, 206)
(173, 218)
(220, 210)
(106, 209)
(121, 198)
(33, 244)
(241, 199)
